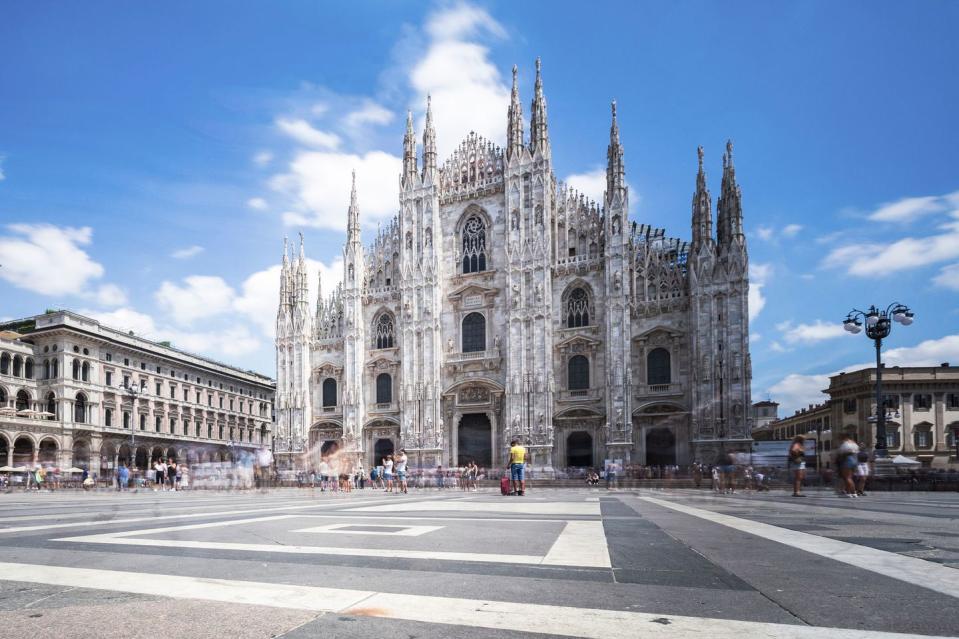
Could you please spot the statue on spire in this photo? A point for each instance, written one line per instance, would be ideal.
(409, 151)
(615, 168)
(353, 215)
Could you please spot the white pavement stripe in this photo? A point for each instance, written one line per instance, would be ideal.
(515, 505)
(590, 623)
(582, 543)
(908, 569)
(123, 539)
(134, 520)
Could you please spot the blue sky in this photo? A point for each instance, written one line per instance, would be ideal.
(153, 155)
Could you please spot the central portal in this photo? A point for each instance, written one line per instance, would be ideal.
(475, 438)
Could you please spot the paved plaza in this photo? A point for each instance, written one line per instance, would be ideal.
(559, 562)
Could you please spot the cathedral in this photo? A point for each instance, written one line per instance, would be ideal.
(501, 304)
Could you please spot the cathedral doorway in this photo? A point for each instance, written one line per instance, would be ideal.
(328, 448)
(381, 449)
(579, 450)
(475, 440)
(660, 447)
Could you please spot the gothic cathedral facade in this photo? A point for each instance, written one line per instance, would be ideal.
(501, 304)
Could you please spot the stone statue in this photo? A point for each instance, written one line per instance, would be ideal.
(449, 344)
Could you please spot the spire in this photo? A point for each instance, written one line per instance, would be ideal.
(319, 294)
(702, 207)
(353, 216)
(429, 142)
(409, 151)
(729, 207)
(538, 130)
(514, 128)
(285, 276)
(615, 169)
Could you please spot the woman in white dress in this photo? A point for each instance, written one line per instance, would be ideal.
(388, 473)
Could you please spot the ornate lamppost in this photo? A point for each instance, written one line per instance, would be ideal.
(878, 326)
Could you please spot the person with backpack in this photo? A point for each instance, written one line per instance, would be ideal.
(796, 463)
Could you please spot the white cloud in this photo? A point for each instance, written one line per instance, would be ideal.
(263, 158)
(768, 233)
(200, 297)
(257, 203)
(796, 390)
(948, 277)
(232, 341)
(304, 133)
(908, 209)
(759, 275)
(754, 337)
(369, 113)
(47, 259)
(910, 252)
(110, 295)
(765, 233)
(467, 89)
(319, 109)
(809, 333)
(320, 184)
(187, 252)
(791, 230)
(3, 175)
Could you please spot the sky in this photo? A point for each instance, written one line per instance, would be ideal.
(153, 155)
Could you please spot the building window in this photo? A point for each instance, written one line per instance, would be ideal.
(474, 333)
(158, 423)
(849, 405)
(5, 364)
(922, 438)
(383, 331)
(109, 378)
(329, 392)
(172, 391)
(108, 417)
(28, 369)
(576, 308)
(474, 245)
(76, 369)
(143, 422)
(159, 388)
(126, 420)
(892, 437)
(109, 357)
(173, 426)
(384, 388)
(952, 401)
(80, 409)
(921, 401)
(51, 407)
(658, 367)
(85, 372)
(578, 373)
(890, 402)
(126, 361)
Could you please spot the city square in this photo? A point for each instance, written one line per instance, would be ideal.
(560, 562)
(471, 318)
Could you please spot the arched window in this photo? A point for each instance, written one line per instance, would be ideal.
(76, 369)
(5, 364)
(51, 406)
(329, 392)
(577, 307)
(46, 369)
(85, 372)
(3, 397)
(384, 388)
(54, 369)
(23, 401)
(474, 245)
(28, 369)
(383, 331)
(474, 333)
(80, 409)
(108, 417)
(578, 373)
(17, 366)
(657, 367)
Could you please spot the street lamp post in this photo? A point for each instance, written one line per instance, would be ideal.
(878, 326)
(133, 391)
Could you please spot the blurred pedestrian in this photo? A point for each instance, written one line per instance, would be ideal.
(796, 462)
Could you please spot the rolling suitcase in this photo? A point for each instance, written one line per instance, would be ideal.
(504, 485)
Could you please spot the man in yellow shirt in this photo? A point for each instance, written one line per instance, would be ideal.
(517, 467)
